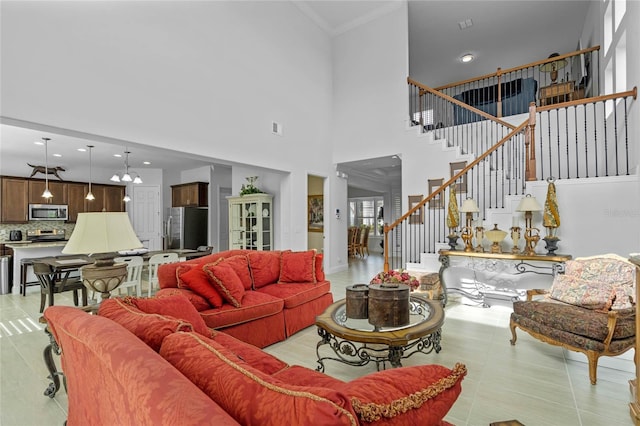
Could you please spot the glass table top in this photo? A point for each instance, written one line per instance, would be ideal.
(419, 312)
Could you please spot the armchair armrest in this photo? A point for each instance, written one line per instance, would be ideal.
(535, 292)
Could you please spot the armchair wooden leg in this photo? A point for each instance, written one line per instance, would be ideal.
(512, 325)
(593, 366)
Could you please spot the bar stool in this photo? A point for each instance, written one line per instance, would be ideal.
(24, 266)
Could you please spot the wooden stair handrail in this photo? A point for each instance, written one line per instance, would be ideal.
(633, 92)
(457, 175)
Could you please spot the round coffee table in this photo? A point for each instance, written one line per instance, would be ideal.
(356, 342)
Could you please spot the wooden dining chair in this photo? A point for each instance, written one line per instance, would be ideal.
(363, 244)
(52, 282)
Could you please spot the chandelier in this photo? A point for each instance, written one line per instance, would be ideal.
(126, 176)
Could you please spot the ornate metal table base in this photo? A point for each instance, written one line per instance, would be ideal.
(54, 374)
(357, 355)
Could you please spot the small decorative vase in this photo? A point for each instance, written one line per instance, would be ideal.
(495, 236)
(453, 241)
(551, 245)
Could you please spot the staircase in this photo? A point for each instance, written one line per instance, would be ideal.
(506, 159)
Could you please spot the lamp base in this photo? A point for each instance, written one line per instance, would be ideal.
(104, 279)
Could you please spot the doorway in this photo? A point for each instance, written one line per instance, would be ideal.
(146, 216)
(315, 213)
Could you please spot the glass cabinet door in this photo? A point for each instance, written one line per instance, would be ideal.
(250, 222)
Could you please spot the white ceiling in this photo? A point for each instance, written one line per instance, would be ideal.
(504, 33)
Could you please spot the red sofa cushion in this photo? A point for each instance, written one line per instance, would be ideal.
(298, 267)
(250, 354)
(302, 376)
(319, 268)
(177, 306)
(167, 273)
(255, 305)
(297, 294)
(198, 302)
(240, 264)
(250, 396)
(265, 267)
(150, 328)
(225, 280)
(420, 394)
(193, 277)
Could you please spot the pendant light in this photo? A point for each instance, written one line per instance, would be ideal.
(126, 177)
(46, 194)
(90, 196)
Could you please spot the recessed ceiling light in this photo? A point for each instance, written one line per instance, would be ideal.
(467, 57)
(146, 162)
(82, 149)
(39, 143)
(117, 155)
(57, 155)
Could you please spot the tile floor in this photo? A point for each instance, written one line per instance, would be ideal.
(532, 382)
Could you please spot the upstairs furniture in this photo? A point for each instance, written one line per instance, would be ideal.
(154, 262)
(589, 309)
(515, 95)
(560, 92)
(57, 280)
(134, 273)
(251, 222)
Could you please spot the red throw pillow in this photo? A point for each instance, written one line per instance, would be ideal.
(197, 280)
(198, 302)
(248, 395)
(240, 265)
(409, 396)
(150, 328)
(176, 306)
(225, 280)
(265, 267)
(298, 267)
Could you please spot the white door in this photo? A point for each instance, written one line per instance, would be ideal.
(147, 217)
(223, 228)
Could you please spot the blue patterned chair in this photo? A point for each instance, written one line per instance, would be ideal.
(589, 309)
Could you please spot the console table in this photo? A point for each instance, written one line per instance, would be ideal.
(507, 263)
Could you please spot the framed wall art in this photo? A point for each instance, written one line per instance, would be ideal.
(417, 217)
(436, 202)
(315, 213)
(461, 183)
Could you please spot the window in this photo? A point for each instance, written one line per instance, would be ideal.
(427, 117)
(364, 211)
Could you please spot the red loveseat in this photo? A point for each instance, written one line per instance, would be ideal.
(259, 297)
(154, 362)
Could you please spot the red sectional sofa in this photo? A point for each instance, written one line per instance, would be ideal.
(155, 362)
(259, 297)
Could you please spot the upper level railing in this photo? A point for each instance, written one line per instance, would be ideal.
(559, 78)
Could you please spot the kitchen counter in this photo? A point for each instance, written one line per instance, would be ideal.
(26, 250)
(27, 245)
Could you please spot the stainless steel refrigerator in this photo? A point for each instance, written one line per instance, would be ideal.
(187, 227)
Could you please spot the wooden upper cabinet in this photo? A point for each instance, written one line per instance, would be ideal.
(58, 190)
(194, 194)
(14, 200)
(75, 199)
(113, 196)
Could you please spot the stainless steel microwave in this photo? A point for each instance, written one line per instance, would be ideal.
(48, 212)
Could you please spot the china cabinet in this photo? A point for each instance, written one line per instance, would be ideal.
(251, 222)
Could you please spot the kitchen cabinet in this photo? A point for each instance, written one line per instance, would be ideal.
(58, 190)
(17, 193)
(14, 200)
(108, 199)
(251, 222)
(75, 199)
(194, 194)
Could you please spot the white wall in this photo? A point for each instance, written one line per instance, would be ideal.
(208, 77)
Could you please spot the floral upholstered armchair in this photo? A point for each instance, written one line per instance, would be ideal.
(589, 309)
